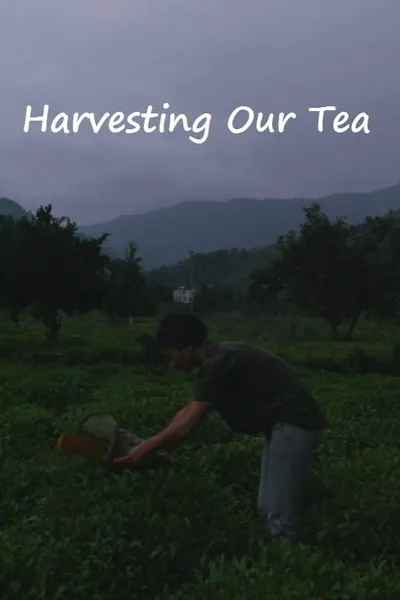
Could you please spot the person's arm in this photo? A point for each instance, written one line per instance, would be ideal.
(180, 416)
(211, 386)
(174, 434)
(181, 426)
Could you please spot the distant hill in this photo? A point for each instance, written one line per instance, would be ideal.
(223, 268)
(10, 208)
(165, 236)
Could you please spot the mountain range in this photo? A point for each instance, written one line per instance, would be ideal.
(164, 236)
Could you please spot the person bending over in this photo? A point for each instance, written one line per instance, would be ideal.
(255, 392)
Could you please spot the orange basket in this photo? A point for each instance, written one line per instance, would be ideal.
(82, 445)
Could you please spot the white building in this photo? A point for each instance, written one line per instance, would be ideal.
(182, 295)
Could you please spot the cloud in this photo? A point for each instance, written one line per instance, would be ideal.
(209, 56)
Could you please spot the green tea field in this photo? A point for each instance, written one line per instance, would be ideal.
(71, 531)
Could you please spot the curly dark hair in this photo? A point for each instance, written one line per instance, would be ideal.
(179, 331)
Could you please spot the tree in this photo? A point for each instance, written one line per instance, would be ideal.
(267, 289)
(215, 298)
(126, 293)
(380, 237)
(14, 272)
(49, 268)
(334, 269)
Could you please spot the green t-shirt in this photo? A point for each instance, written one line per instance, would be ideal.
(253, 389)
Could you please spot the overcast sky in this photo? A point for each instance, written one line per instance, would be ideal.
(199, 56)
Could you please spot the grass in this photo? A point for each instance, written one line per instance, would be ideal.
(68, 530)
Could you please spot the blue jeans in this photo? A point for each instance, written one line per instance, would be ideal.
(284, 468)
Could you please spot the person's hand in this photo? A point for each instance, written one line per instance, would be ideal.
(134, 457)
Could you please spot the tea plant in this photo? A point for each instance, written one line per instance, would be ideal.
(70, 530)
